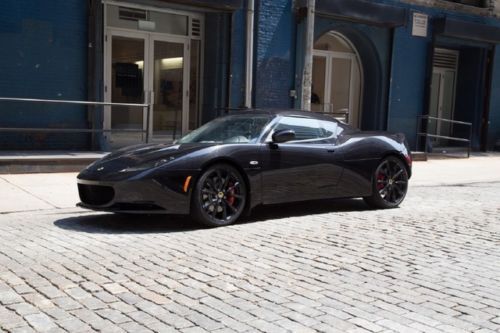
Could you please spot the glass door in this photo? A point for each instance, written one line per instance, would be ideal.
(442, 100)
(341, 81)
(336, 85)
(319, 100)
(126, 84)
(143, 67)
(169, 79)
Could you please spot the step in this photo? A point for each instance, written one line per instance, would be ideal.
(418, 156)
(45, 161)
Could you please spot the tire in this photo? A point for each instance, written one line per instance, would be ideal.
(219, 197)
(389, 185)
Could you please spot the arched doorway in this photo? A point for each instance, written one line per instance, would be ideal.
(337, 78)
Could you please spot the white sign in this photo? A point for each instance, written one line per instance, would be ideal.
(420, 24)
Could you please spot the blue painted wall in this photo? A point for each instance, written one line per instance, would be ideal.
(411, 69)
(409, 72)
(43, 55)
(494, 116)
(216, 59)
(275, 54)
(238, 60)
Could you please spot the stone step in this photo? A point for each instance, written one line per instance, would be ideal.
(13, 162)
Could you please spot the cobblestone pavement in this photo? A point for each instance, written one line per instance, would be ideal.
(432, 265)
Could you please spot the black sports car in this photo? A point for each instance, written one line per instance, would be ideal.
(239, 161)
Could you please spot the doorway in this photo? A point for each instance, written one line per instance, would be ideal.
(160, 65)
(336, 79)
(442, 93)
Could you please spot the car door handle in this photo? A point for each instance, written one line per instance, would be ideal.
(330, 150)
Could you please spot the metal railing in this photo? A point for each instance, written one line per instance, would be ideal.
(423, 132)
(145, 130)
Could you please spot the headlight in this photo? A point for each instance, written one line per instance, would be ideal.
(149, 165)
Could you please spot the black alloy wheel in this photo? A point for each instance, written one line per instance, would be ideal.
(390, 184)
(219, 197)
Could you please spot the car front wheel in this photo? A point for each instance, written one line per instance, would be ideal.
(219, 196)
(390, 184)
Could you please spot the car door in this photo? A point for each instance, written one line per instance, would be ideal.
(304, 169)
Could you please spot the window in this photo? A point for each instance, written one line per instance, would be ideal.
(304, 128)
(330, 129)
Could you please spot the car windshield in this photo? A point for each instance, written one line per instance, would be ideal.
(230, 129)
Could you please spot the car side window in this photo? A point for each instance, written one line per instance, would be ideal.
(304, 128)
(330, 129)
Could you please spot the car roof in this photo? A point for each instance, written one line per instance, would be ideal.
(282, 112)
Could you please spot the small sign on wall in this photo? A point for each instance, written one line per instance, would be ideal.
(420, 25)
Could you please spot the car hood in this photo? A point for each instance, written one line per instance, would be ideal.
(145, 154)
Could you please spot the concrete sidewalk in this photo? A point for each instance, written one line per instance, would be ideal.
(34, 192)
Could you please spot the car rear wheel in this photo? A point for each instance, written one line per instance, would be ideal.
(390, 184)
(219, 196)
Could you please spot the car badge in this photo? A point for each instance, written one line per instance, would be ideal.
(254, 162)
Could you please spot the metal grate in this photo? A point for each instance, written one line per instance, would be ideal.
(445, 59)
(132, 14)
(195, 27)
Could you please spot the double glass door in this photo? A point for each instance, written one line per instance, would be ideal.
(147, 67)
(335, 85)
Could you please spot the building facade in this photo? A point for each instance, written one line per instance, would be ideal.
(380, 64)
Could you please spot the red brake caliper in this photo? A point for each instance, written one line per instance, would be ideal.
(230, 198)
(380, 177)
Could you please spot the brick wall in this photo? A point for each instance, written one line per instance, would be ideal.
(275, 53)
(43, 54)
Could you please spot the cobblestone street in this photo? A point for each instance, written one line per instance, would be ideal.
(432, 265)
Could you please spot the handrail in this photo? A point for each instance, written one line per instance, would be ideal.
(145, 130)
(444, 137)
(62, 101)
(447, 120)
(427, 135)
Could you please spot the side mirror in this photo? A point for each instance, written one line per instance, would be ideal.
(283, 135)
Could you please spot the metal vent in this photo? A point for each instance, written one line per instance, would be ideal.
(445, 59)
(132, 14)
(195, 27)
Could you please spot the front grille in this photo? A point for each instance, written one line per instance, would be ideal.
(95, 194)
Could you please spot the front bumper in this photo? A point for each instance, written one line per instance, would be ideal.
(132, 196)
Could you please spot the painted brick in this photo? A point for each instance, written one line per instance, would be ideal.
(274, 54)
(43, 55)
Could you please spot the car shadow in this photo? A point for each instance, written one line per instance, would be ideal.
(306, 208)
(108, 223)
